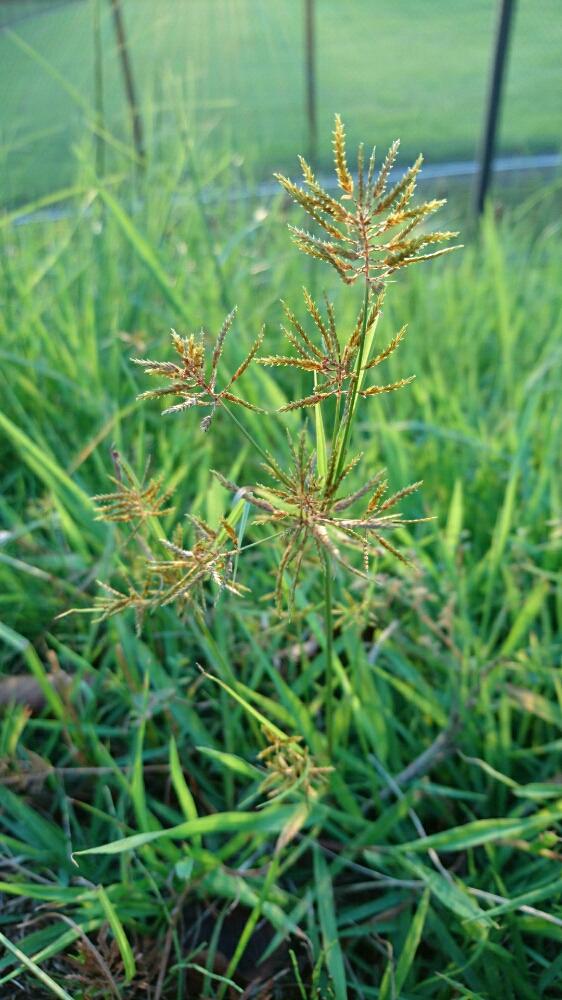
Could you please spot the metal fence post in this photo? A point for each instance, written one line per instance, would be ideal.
(310, 75)
(505, 20)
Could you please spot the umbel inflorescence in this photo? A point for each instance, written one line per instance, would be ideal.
(366, 232)
(188, 379)
(369, 228)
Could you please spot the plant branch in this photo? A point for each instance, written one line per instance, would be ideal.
(243, 430)
(349, 411)
(329, 628)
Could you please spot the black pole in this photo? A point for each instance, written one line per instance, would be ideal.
(310, 74)
(136, 120)
(505, 20)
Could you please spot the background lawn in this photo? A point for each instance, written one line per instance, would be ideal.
(232, 70)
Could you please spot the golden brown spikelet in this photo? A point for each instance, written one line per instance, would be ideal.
(357, 228)
(189, 381)
(345, 180)
(130, 501)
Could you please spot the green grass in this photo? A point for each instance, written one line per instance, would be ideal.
(407, 886)
(236, 68)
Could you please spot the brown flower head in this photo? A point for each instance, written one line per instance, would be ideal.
(290, 767)
(369, 228)
(334, 367)
(184, 573)
(131, 502)
(180, 577)
(188, 378)
(309, 510)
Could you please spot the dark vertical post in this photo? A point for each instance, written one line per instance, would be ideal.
(134, 111)
(505, 19)
(310, 74)
(98, 89)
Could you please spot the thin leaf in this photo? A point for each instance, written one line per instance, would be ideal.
(392, 985)
(327, 915)
(114, 922)
(35, 969)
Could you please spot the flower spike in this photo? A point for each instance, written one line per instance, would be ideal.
(188, 379)
(361, 229)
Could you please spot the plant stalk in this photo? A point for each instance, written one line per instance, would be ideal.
(348, 416)
(243, 430)
(329, 649)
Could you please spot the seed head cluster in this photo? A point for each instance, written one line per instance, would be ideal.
(370, 229)
(188, 378)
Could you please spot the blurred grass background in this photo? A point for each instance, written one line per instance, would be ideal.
(236, 67)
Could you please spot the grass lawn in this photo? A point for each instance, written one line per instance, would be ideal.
(232, 70)
(464, 649)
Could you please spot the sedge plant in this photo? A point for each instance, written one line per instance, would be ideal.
(367, 232)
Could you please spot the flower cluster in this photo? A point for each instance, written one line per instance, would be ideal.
(290, 767)
(181, 576)
(189, 380)
(309, 510)
(370, 228)
(131, 502)
(334, 367)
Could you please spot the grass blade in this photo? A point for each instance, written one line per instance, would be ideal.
(114, 922)
(485, 831)
(328, 923)
(35, 969)
(145, 252)
(388, 987)
(271, 820)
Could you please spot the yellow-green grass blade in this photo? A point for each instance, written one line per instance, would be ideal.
(32, 967)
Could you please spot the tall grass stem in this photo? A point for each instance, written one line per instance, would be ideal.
(329, 650)
(348, 412)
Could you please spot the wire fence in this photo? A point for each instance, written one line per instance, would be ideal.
(262, 79)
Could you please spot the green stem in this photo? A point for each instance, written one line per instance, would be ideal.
(329, 649)
(351, 408)
(336, 419)
(246, 434)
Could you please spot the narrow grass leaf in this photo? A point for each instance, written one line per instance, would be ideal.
(485, 831)
(55, 989)
(321, 449)
(388, 987)
(57, 943)
(114, 922)
(24, 647)
(39, 831)
(181, 788)
(529, 611)
(454, 520)
(328, 924)
(452, 894)
(145, 252)
(551, 889)
(233, 763)
(262, 719)
(270, 820)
